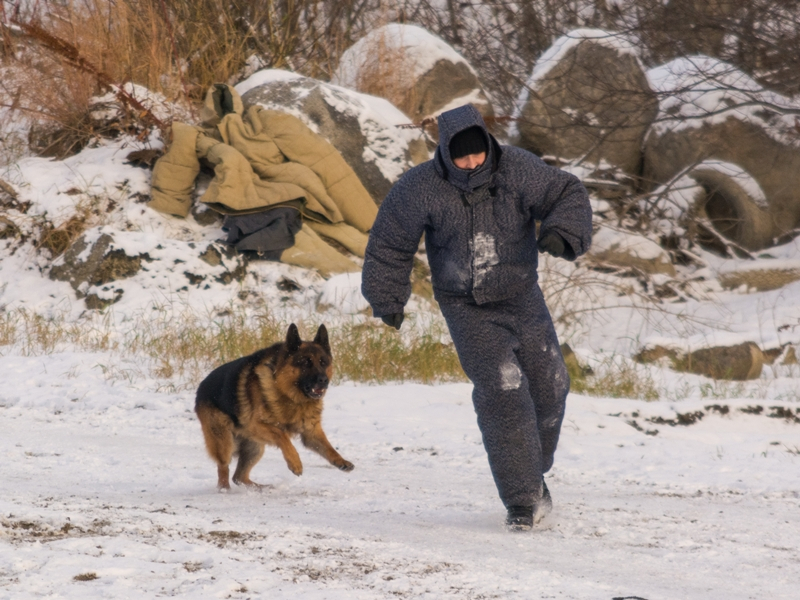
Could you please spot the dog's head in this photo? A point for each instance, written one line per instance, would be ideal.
(311, 362)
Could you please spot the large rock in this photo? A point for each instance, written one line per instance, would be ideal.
(103, 262)
(710, 110)
(733, 203)
(629, 250)
(362, 128)
(419, 72)
(738, 363)
(711, 202)
(93, 260)
(761, 275)
(587, 98)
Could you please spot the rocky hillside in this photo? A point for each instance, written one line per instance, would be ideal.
(689, 165)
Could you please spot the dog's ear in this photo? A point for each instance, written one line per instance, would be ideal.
(322, 338)
(293, 340)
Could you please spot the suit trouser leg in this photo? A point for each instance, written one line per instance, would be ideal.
(542, 360)
(510, 352)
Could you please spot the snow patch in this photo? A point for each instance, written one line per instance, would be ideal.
(622, 241)
(344, 292)
(56, 188)
(510, 376)
(265, 77)
(107, 107)
(674, 199)
(484, 255)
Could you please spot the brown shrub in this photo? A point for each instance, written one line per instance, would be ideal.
(385, 74)
(58, 239)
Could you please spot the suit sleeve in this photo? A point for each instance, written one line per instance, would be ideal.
(393, 241)
(565, 209)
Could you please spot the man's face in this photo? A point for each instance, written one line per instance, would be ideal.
(470, 161)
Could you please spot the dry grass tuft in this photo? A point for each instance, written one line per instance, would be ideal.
(183, 348)
(385, 74)
(58, 239)
(761, 280)
(391, 358)
(616, 378)
(80, 50)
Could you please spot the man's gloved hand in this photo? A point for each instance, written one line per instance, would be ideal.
(552, 243)
(393, 320)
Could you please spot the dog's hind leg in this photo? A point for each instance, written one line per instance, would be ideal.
(218, 434)
(250, 452)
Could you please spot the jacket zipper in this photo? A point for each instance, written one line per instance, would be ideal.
(470, 243)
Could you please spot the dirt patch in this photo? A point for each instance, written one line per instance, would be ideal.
(789, 414)
(225, 538)
(637, 427)
(26, 531)
(689, 418)
(781, 412)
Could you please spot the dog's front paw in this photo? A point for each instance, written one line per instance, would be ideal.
(297, 469)
(345, 465)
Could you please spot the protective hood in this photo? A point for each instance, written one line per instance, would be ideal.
(451, 123)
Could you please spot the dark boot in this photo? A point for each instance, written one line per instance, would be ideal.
(519, 518)
(523, 518)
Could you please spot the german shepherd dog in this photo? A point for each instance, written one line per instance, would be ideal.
(266, 398)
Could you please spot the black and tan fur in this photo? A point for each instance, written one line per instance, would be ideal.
(267, 398)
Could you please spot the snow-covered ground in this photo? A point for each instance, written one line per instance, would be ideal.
(110, 480)
(109, 493)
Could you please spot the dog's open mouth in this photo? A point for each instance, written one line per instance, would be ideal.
(316, 392)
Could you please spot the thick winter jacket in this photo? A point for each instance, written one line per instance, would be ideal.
(479, 225)
(261, 158)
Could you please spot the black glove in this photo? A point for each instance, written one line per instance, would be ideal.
(393, 320)
(552, 243)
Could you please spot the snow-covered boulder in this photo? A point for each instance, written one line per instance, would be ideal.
(417, 70)
(734, 203)
(629, 250)
(719, 195)
(98, 260)
(740, 362)
(587, 98)
(362, 128)
(93, 261)
(711, 110)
